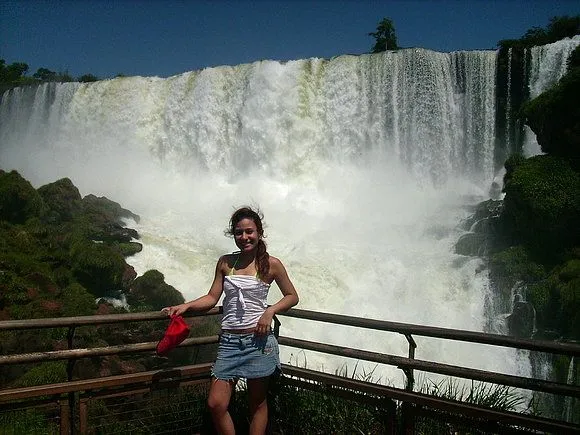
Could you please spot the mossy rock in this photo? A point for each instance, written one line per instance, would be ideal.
(129, 249)
(542, 204)
(102, 210)
(513, 265)
(62, 199)
(19, 201)
(557, 300)
(97, 267)
(151, 290)
(77, 301)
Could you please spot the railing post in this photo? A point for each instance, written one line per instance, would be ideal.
(390, 417)
(83, 416)
(409, 372)
(69, 372)
(64, 418)
(276, 327)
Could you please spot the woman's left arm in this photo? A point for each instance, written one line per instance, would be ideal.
(289, 299)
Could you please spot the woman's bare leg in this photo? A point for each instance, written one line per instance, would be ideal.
(257, 393)
(220, 393)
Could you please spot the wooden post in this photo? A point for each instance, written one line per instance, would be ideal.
(83, 416)
(408, 371)
(64, 417)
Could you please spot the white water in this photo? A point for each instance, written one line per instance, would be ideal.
(548, 65)
(362, 165)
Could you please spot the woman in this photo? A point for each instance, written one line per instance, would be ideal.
(247, 347)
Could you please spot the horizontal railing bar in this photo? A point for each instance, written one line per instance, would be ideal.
(432, 367)
(97, 351)
(163, 375)
(571, 349)
(422, 399)
(60, 322)
(132, 389)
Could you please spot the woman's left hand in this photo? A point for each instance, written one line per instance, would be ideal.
(265, 322)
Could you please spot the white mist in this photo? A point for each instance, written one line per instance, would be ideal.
(362, 165)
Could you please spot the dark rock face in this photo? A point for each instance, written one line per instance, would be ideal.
(521, 321)
(483, 226)
(472, 245)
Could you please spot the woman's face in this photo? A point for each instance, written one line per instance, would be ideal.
(246, 235)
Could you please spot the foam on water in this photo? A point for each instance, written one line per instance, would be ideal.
(362, 165)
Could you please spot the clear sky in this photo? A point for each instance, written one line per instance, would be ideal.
(167, 37)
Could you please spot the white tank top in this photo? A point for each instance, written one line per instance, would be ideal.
(245, 301)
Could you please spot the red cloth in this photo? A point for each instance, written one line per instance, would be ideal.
(176, 332)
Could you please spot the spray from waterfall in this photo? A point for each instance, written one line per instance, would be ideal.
(363, 165)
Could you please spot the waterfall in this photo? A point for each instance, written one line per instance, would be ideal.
(363, 166)
(508, 105)
(548, 65)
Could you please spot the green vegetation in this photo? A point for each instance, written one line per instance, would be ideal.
(60, 253)
(554, 115)
(534, 242)
(320, 409)
(385, 36)
(542, 210)
(15, 74)
(513, 92)
(29, 422)
(558, 28)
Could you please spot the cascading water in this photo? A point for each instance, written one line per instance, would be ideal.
(548, 65)
(363, 166)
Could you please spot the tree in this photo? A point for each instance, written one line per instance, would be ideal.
(44, 74)
(564, 27)
(558, 28)
(385, 37)
(88, 78)
(12, 72)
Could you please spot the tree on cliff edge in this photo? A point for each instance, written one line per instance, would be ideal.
(385, 37)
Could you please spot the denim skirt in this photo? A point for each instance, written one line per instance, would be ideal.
(247, 356)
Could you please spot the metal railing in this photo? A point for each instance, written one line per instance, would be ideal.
(72, 397)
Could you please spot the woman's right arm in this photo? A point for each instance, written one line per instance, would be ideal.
(207, 301)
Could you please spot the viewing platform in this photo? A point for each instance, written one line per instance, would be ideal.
(172, 399)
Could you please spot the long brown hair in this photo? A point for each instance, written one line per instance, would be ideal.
(262, 256)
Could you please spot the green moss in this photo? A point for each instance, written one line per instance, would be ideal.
(557, 300)
(151, 290)
(19, 201)
(63, 200)
(128, 249)
(29, 422)
(542, 205)
(77, 301)
(50, 372)
(97, 267)
(516, 264)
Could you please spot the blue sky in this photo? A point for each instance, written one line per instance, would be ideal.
(163, 38)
